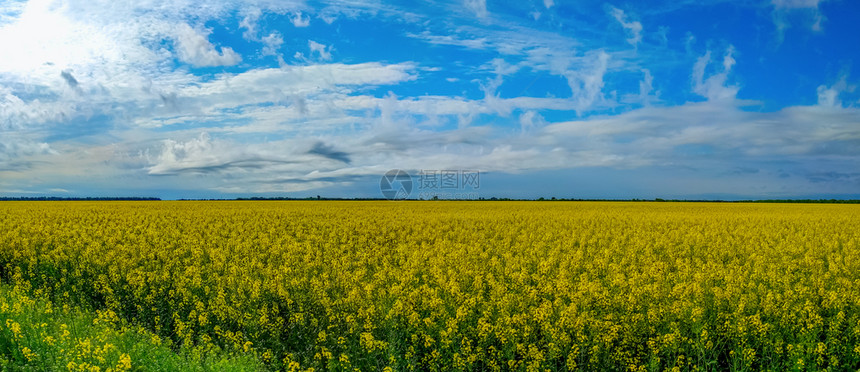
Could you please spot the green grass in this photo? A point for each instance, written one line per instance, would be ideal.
(36, 335)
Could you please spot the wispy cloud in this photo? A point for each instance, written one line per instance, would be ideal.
(321, 50)
(249, 23)
(783, 11)
(633, 28)
(272, 43)
(300, 20)
(715, 87)
(829, 96)
(479, 7)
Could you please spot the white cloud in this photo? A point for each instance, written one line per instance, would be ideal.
(17, 146)
(300, 21)
(548, 3)
(100, 36)
(478, 7)
(782, 10)
(232, 91)
(714, 87)
(194, 48)
(66, 43)
(646, 86)
(829, 96)
(272, 43)
(249, 23)
(726, 133)
(20, 152)
(633, 28)
(195, 153)
(205, 155)
(506, 39)
(538, 51)
(707, 136)
(352, 9)
(648, 137)
(795, 4)
(689, 42)
(530, 120)
(587, 84)
(323, 51)
(17, 114)
(476, 43)
(699, 70)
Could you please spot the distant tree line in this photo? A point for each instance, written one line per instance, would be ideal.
(817, 201)
(825, 201)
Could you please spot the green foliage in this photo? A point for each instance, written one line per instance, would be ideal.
(37, 335)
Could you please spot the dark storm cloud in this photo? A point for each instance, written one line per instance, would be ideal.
(67, 76)
(247, 164)
(327, 151)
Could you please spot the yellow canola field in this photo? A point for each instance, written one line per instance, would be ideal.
(460, 285)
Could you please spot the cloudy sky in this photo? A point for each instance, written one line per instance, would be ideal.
(176, 99)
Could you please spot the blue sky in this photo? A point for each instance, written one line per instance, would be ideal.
(584, 99)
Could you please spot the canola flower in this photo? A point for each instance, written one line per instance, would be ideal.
(459, 285)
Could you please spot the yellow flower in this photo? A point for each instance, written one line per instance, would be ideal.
(124, 363)
(29, 354)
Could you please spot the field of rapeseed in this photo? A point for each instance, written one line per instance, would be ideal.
(444, 285)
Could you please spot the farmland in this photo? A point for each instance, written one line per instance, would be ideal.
(441, 285)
